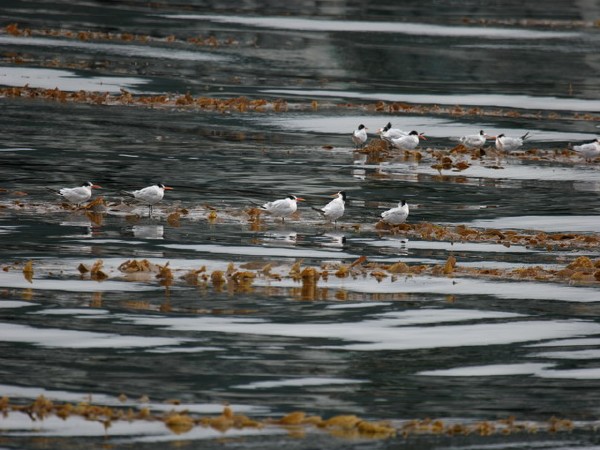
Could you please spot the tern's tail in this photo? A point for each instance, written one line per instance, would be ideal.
(54, 191)
(525, 136)
(319, 210)
(127, 193)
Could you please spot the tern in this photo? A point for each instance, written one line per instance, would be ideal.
(508, 144)
(388, 133)
(282, 208)
(588, 151)
(150, 195)
(333, 210)
(397, 215)
(408, 142)
(474, 141)
(79, 194)
(359, 137)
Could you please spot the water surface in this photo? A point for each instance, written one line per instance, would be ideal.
(397, 348)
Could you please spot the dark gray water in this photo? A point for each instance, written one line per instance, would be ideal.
(402, 348)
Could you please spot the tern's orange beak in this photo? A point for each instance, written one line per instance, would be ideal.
(167, 188)
(96, 186)
(298, 199)
(422, 136)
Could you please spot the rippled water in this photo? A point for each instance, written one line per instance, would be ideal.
(399, 348)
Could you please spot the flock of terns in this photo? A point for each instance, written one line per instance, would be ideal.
(409, 140)
(282, 208)
(335, 209)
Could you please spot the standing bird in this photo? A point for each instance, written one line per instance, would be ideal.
(333, 210)
(150, 195)
(397, 215)
(388, 133)
(509, 144)
(474, 141)
(408, 142)
(589, 151)
(282, 208)
(359, 137)
(79, 194)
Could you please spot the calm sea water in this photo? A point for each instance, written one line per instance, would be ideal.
(408, 348)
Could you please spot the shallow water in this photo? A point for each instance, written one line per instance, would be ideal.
(402, 347)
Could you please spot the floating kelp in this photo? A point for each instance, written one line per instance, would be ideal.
(297, 423)
(462, 233)
(28, 271)
(236, 104)
(14, 29)
(313, 281)
(466, 111)
(533, 239)
(96, 272)
(531, 22)
(243, 104)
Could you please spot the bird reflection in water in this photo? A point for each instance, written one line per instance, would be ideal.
(397, 246)
(281, 237)
(334, 240)
(90, 223)
(148, 231)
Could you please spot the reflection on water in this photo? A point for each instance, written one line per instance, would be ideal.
(296, 383)
(394, 331)
(545, 223)
(190, 323)
(490, 99)
(417, 29)
(265, 251)
(65, 80)
(123, 50)
(59, 338)
(336, 240)
(283, 237)
(392, 246)
(148, 231)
